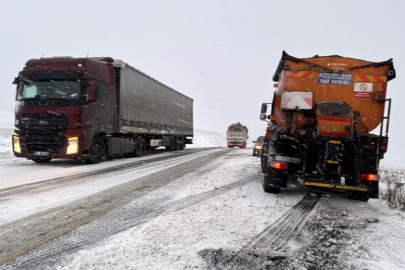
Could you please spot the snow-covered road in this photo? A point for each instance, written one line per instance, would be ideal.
(193, 209)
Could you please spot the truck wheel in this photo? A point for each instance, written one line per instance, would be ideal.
(140, 148)
(254, 154)
(172, 146)
(41, 160)
(178, 145)
(97, 152)
(264, 162)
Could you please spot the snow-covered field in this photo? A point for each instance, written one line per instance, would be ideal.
(175, 241)
(6, 130)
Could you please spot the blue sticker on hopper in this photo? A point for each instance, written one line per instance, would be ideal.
(334, 78)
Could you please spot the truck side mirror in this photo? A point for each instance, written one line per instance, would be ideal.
(263, 117)
(264, 108)
(92, 91)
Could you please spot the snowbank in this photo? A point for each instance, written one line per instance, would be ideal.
(207, 139)
(6, 130)
(392, 188)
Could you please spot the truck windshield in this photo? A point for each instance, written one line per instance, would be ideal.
(49, 89)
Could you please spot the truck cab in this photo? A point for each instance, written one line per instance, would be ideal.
(91, 108)
(61, 104)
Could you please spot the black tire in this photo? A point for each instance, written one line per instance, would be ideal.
(140, 148)
(41, 160)
(178, 145)
(172, 146)
(182, 145)
(175, 145)
(264, 184)
(264, 160)
(97, 152)
(254, 154)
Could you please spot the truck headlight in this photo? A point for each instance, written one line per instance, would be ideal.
(72, 145)
(258, 147)
(16, 143)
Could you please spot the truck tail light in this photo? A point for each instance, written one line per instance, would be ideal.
(229, 143)
(240, 144)
(16, 144)
(279, 165)
(369, 177)
(73, 145)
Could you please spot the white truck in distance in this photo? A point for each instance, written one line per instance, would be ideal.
(237, 135)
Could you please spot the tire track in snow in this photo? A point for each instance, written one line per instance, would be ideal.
(69, 191)
(83, 214)
(77, 176)
(132, 220)
(268, 244)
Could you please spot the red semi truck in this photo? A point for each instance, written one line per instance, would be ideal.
(92, 108)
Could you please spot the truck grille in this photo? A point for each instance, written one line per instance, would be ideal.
(43, 132)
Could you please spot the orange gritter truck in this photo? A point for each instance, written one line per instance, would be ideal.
(322, 113)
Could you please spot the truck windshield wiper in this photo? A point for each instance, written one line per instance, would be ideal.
(37, 97)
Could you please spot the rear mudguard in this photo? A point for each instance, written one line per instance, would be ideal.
(276, 178)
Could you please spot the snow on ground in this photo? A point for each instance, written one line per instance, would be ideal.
(228, 221)
(341, 234)
(348, 234)
(392, 187)
(384, 242)
(208, 139)
(25, 204)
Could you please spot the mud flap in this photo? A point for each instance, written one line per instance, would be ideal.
(373, 190)
(276, 178)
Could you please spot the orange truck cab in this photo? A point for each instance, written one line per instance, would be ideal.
(322, 114)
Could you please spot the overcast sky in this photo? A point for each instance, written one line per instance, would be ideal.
(220, 53)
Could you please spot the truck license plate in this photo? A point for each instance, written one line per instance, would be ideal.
(41, 154)
(288, 159)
